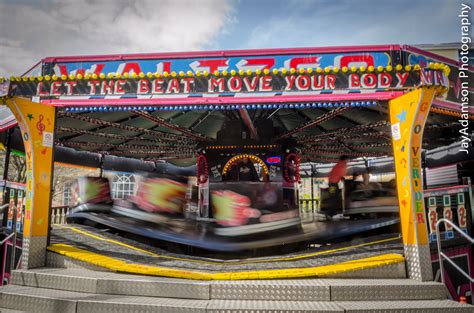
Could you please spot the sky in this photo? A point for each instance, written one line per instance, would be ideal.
(33, 29)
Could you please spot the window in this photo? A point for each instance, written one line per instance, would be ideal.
(123, 185)
(67, 194)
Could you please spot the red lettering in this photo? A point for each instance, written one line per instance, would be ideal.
(427, 77)
(119, 86)
(448, 214)
(234, 84)
(173, 86)
(129, 67)
(462, 217)
(55, 88)
(317, 82)
(39, 90)
(253, 64)
(354, 81)
(107, 87)
(158, 85)
(186, 82)
(216, 82)
(302, 62)
(96, 69)
(210, 65)
(303, 82)
(70, 85)
(290, 81)
(266, 83)
(440, 78)
(356, 60)
(250, 83)
(163, 67)
(369, 80)
(143, 86)
(402, 78)
(60, 70)
(433, 218)
(93, 85)
(420, 218)
(385, 79)
(424, 106)
(330, 81)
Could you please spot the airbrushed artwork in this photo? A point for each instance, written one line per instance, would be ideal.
(308, 167)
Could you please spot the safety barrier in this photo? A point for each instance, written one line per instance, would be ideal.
(444, 256)
(308, 209)
(11, 237)
(58, 215)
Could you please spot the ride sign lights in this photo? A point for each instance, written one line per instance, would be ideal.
(193, 84)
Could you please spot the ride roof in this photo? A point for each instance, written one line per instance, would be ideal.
(331, 101)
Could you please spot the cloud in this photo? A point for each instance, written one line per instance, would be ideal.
(33, 30)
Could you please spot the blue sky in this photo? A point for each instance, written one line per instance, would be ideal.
(292, 23)
(31, 30)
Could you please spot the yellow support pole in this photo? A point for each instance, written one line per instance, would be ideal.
(36, 122)
(408, 114)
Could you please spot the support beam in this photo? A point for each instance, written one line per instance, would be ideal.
(168, 158)
(308, 119)
(273, 113)
(37, 122)
(169, 119)
(111, 136)
(135, 129)
(319, 152)
(347, 131)
(201, 119)
(127, 149)
(244, 114)
(321, 119)
(164, 123)
(61, 114)
(408, 114)
(280, 121)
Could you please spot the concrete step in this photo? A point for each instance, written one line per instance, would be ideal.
(81, 280)
(44, 300)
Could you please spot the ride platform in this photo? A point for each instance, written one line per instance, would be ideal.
(87, 247)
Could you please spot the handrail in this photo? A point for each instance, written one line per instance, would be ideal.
(3, 207)
(5, 239)
(441, 255)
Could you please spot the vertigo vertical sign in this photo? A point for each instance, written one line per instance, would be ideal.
(408, 115)
(422, 110)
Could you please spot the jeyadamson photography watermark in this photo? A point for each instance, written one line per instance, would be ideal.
(464, 76)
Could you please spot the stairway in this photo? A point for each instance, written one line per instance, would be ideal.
(86, 291)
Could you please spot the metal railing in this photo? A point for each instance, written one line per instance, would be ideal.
(12, 236)
(308, 208)
(6, 239)
(309, 204)
(442, 256)
(3, 207)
